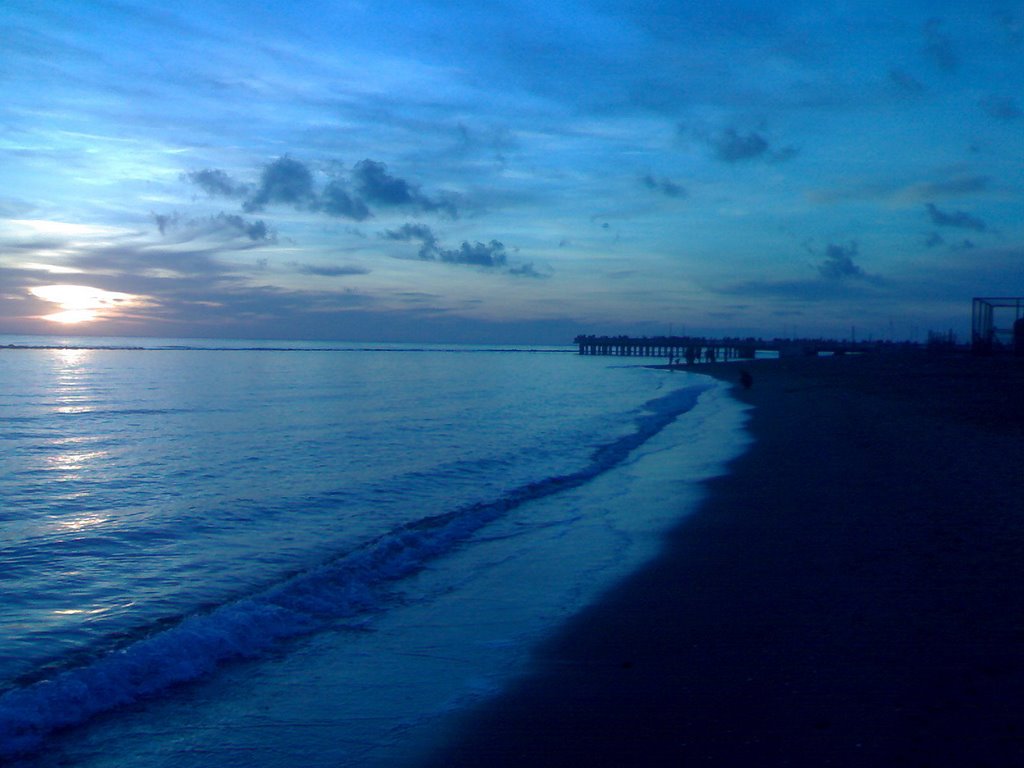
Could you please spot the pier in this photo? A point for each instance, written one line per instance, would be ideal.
(698, 349)
(688, 348)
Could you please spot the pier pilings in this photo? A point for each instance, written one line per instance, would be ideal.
(688, 348)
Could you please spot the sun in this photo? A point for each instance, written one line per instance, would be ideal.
(82, 303)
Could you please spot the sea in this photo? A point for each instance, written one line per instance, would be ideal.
(266, 553)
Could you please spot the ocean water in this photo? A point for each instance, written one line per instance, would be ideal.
(270, 554)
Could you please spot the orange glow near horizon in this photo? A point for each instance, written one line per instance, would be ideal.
(82, 303)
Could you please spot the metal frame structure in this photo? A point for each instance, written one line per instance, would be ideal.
(988, 337)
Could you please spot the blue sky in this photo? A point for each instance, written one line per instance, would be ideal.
(518, 171)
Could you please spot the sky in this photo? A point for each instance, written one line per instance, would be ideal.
(508, 172)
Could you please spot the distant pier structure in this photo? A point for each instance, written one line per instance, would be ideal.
(680, 348)
(699, 349)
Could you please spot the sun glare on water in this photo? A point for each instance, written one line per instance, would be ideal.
(81, 303)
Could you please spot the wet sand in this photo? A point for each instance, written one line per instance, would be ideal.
(851, 593)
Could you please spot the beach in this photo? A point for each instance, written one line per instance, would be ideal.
(850, 593)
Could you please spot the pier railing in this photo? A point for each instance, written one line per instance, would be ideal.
(698, 349)
(690, 349)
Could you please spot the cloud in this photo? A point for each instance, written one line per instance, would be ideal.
(216, 182)
(663, 185)
(839, 264)
(283, 181)
(906, 82)
(336, 201)
(490, 255)
(734, 146)
(420, 232)
(838, 276)
(957, 185)
(254, 230)
(1001, 108)
(291, 182)
(528, 270)
(376, 185)
(223, 224)
(328, 271)
(958, 219)
(939, 47)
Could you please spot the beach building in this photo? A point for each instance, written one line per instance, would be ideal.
(997, 325)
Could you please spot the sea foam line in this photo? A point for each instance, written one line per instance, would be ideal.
(307, 602)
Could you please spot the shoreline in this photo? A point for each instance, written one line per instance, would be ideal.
(850, 593)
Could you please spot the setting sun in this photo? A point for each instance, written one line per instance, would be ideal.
(81, 303)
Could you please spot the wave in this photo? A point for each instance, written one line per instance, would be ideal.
(342, 588)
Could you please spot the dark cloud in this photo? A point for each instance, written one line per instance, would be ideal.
(336, 201)
(419, 232)
(288, 181)
(375, 184)
(958, 185)
(217, 182)
(491, 255)
(165, 221)
(329, 271)
(1001, 108)
(527, 270)
(254, 230)
(222, 224)
(939, 47)
(906, 82)
(663, 185)
(733, 146)
(479, 254)
(958, 219)
(283, 181)
(934, 240)
(839, 264)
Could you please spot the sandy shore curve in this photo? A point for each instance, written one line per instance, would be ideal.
(851, 593)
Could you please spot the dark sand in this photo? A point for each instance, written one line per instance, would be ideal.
(852, 593)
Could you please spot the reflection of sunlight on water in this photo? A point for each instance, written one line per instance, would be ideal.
(71, 358)
(73, 409)
(82, 522)
(70, 462)
(92, 610)
(70, 394)
(74, 439)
